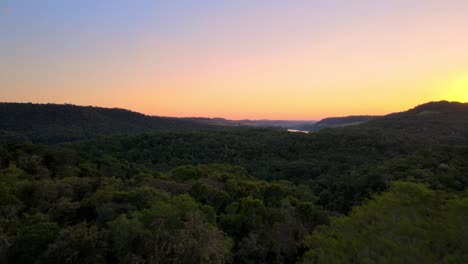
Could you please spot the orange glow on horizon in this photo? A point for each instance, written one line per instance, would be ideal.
(295, 60)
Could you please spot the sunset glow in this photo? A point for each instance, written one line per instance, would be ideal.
(235, 59)
(459, 90)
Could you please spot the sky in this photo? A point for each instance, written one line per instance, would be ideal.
(256, 59)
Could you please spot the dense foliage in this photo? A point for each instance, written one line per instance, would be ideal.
(408, 224)
(52, 123)
(387, 191)
(58, 207)
(438, 121)
(343, 166)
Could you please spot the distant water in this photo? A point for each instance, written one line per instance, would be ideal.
(297, 131)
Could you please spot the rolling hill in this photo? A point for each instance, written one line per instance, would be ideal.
(335, 122)
(52, 123)
(391, 189)
(443, 121)
(262, 123)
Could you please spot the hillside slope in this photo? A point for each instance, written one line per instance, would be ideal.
(443, 121)
(334, 122)
(52, 123)
(383, 191)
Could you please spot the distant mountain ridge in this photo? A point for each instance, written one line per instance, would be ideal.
(335, 122)
(442, 121)
(52, 123)
(285, 124)
(442, 118)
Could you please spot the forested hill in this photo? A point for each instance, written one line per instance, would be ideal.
(393, 190)
(443, 121)
(52, 123)
(343, 163)
(335, 122)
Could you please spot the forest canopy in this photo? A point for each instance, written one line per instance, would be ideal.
(392, 190)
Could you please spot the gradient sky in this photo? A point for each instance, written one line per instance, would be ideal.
(276, 59)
